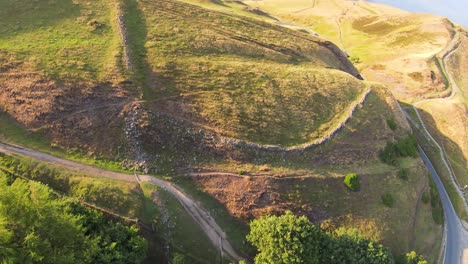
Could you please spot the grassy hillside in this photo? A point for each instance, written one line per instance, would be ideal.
(312, 184)
(65, 39)
(206, 71)
(391, 46)
(243, 78)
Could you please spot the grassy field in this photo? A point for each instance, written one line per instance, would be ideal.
(426, 235)
(68, 40)
(373, 218)
(322, 195)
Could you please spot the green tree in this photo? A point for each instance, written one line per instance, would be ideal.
(352, 182)
(348, 246)
(36, 226)
(285, 239)
(291, 239)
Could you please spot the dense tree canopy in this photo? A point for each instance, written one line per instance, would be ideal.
(285, 239)
(37, 226)
(291, 239)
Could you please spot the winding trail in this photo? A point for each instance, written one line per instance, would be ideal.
(201, 216)
(455, 235)
(451, 48)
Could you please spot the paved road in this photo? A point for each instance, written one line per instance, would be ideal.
(199, 214)
(456, 235)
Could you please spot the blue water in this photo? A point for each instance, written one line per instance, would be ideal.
(455, 10)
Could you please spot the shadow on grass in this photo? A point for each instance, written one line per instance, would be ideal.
(456, 160)
(18, 16)
(137, 35)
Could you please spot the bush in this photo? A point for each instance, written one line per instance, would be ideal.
(355, 59)
(388, 200)
(352, 182)
(403, 174)
(286, 239)
(241, 172)
(404, 147)
(426, 198)
(391, 124)
(412, 258)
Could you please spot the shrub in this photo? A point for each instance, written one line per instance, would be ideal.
(391, 124)
(352, 182)
(241, 172)
(413, 258)
(403, 174)
(355, 59)
(426, 198)
(388, 200)
(404, 147)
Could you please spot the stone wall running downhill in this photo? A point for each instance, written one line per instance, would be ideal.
(120, 21)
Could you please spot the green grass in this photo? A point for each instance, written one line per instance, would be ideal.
(371, 25)
(427, 236)
(456, 200)
(367, 212)
(151, 210)
(55, 36)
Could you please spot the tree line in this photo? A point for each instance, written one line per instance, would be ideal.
(38, 226)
